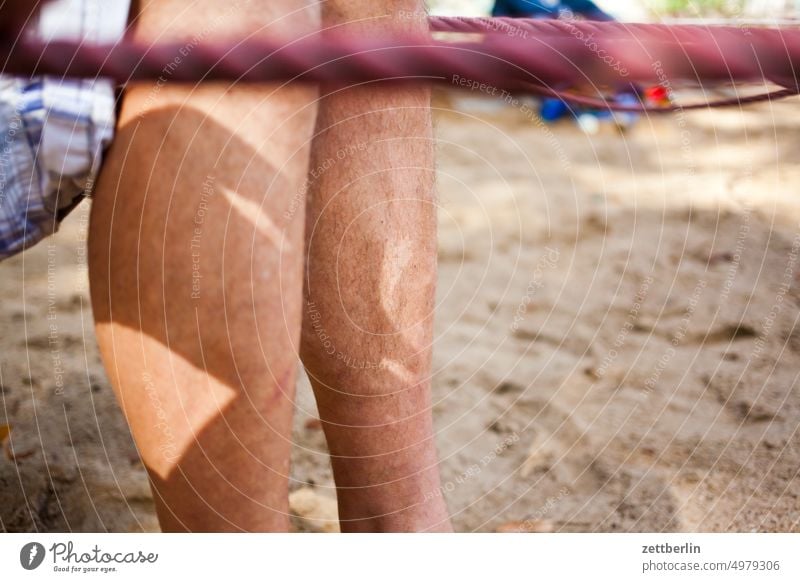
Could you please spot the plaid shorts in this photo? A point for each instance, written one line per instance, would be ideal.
(53, 131)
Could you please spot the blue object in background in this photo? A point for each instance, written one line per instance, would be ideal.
(552, 109)
(548, 9)
(625, 119)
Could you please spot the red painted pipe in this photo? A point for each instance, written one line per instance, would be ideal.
(511, 54)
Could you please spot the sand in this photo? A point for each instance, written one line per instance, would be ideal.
(617, 341)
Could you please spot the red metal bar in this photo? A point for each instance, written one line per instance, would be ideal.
(509, 54)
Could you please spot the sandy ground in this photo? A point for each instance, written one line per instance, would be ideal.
(617, 342)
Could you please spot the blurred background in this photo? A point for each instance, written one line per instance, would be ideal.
(617, 341)
(649, 9)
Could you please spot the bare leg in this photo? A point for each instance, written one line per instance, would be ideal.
(196, 252)
(370, 289)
